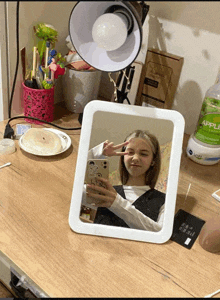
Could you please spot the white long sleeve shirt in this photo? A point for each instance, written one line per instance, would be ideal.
(123, 208)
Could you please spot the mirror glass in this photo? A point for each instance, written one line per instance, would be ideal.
(137, 200)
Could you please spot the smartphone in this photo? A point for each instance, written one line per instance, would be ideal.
(96, 168)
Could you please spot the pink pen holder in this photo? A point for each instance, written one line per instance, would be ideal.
(38, 103)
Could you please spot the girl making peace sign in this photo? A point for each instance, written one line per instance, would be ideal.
(135, 203)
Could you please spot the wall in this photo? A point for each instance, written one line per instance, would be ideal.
(189, 29)
(3, 66)
(1, 85)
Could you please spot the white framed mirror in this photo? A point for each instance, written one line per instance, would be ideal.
(138, 202)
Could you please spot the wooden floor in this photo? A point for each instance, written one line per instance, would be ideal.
(4, 292)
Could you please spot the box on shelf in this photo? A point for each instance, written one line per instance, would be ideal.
(159, 79)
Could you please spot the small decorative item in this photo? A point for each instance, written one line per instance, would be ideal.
(46, 33)
(47, 83)
(52, 54)
(60, 60)
(57, 68)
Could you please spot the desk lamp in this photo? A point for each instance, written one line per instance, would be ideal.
(108, 36)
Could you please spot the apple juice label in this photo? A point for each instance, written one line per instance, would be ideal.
(208, 127)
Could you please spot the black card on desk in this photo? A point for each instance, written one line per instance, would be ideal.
(186, 228)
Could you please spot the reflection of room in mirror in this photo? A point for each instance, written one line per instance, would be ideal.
(139, 199)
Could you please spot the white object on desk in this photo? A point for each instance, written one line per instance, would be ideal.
(7, 146)
(5, 165)
(64, 138)
(216, 195)
(213, 294)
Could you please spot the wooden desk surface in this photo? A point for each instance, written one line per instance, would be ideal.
(35, 235)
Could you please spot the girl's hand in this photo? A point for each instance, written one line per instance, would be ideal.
(108, 194)
(109, 149)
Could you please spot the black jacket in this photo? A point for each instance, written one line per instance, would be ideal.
(149, 204)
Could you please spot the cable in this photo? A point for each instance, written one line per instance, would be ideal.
(9, 131)
(17, 64)
(43, 121)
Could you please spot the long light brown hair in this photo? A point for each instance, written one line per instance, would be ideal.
(152, 173)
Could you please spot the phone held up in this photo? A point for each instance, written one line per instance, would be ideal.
(96, 168)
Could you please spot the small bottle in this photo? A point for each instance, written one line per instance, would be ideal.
(204, 144)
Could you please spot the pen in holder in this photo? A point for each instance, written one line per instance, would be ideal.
(38, 103)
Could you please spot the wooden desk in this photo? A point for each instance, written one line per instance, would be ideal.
(35, 237)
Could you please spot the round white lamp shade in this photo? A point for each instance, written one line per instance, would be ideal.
(82, 19)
